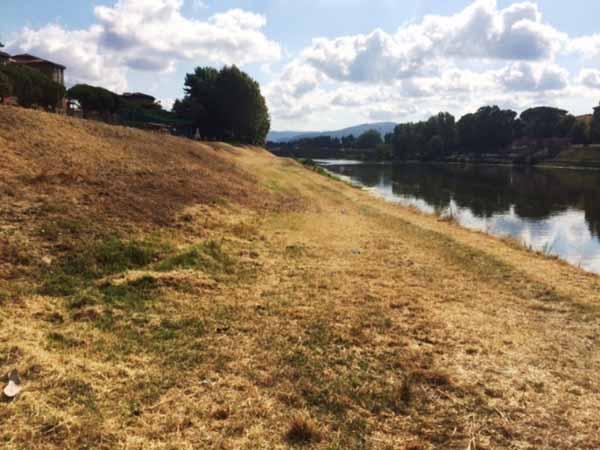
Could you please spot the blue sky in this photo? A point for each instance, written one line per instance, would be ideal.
(328, 63)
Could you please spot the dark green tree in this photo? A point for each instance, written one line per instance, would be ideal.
(32, 87)
(595, 129)
(435, 147)
(406, 141)
(199, 106)
(443, 126)
(95, 99)
(5, 87)
(580, 133)
(369, 139)
(226, 105)
(241, 108)
(348, 141)
(545, 122)
(489, 129)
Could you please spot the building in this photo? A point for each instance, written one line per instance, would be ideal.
(139, 99)
(55, 72)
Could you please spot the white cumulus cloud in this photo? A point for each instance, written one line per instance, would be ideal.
(148, 35)
(590, 78)
(533, 77)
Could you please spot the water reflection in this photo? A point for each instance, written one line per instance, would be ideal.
(553, 210)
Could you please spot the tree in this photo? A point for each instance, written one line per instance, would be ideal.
(405, 141)
(32, 87)
(95, 99)
(199, 105)
(435, 147)
(595, 131)
(241, 108)
(348, 141)
(544, 122)
(225, 104)
(369, 139)
(490, 128)
(5, 87)
(444, 127)
(580, 133)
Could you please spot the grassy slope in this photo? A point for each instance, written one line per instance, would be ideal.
(157, 293)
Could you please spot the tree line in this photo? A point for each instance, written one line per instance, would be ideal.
(491, 130)
(225, 105)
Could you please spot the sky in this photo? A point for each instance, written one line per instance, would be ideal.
(328, 64)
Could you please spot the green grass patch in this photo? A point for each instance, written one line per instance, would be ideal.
(134, 295)
(70, 273)
(208, 257)
(61, 341)
(53, 230)
(295, 250)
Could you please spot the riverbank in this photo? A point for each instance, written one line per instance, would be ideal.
(161, 293)
(573, 157)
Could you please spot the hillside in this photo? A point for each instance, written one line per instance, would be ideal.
(158, 293)
(288, 136)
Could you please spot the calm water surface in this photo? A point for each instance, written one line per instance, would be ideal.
(552, 210)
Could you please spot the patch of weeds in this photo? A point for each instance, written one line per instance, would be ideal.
(15, 253)
(302, 432)
(104, 257)
(244, 231)
(133, 295)
(53, 230)
(222, 413)
(186, 357)
(115, 255)
(59, 284)
(82, 299)
(295, 250)
(209, 257)
(82, 393)
(225, 314)
(354, 434)
(60, 340)
(170, 330)
(318, 336)
(274, 186)
(51, 317)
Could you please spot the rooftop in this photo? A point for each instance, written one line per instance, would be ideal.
(26, 58)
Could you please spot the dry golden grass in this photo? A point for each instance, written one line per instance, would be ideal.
(157, 293)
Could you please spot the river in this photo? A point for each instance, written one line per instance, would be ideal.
(555, 211)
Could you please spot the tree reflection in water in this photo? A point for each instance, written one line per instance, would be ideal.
(556, 210)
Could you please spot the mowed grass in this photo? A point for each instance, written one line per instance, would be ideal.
(324, 320)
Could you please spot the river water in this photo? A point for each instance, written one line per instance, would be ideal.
(556, 211)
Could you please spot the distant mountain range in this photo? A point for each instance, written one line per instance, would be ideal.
(287, 136)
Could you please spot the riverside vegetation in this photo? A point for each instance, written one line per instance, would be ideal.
(160, 293)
